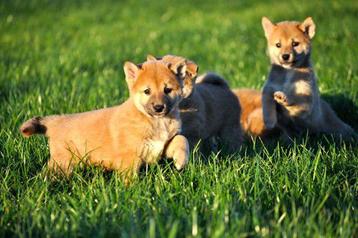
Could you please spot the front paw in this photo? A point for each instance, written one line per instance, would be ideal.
(269, 124)
(181, 158)
(280, 98)
(270, 119)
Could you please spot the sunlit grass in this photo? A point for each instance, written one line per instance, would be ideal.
(67, 56)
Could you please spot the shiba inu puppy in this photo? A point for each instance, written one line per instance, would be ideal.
(251, 119)
(292, 83)
(141, 130)
(209, 108)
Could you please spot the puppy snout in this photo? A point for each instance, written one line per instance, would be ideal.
(285, 57)
(159, 108)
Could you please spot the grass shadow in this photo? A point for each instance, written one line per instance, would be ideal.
(344, 107)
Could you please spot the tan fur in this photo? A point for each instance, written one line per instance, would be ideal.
(292, 83)
(123, 137)
(251, 118)
(209, 108)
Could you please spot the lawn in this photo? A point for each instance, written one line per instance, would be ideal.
(67, 56)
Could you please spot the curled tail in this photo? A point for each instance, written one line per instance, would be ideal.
(212, 78)
(33, 126)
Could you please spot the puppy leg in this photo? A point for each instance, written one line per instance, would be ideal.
(204, 146)
(129, 175)
(194, 142)
(284, 123)
(208, 146)
(127, 166)
(255, 123)
(269, 109)
(296, 105)
(331, 124)
(232, 137)
(178, 150)
(60, 164)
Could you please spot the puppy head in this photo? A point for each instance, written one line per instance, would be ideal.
(190, 74)
(289, 43)
(155, 87)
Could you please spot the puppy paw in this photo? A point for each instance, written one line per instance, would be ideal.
(270, 121)
(269, 124)
(280, 98)
(181, 161)
(178, 150)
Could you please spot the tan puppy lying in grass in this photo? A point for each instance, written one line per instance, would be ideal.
(209, 109)
(122, 138)
(292, 83)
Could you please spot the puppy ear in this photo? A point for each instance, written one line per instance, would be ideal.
(179, 68)
(268, 26)
(151, 58)
(189, 80)
(308, 27)
(131, 71)
(187, 71)
(192, 69)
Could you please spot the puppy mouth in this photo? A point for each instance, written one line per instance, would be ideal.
(287, 64)
(158, 114)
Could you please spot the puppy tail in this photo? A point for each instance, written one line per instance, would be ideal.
(212, 78)
(36, 125)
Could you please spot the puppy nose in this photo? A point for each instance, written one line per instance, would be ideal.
(158, 107)
(285, 56)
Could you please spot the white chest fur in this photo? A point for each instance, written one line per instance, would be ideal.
(160, 133)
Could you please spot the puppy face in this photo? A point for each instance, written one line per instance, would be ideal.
(289, 43)
(190, 73)
(156, 87)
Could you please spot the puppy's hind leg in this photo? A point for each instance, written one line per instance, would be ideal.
(194, 142)
(333, 125)
(209, 146)
(60, 164)
(178, 150)
(232, 137)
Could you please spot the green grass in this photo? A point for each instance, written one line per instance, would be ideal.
(67, 56)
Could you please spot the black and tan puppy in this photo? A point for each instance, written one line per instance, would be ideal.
(209, 108)
(292, 83)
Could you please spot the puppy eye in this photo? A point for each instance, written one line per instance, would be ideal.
(294, 43)
(167, 90)
(278, 45)
(147, 91)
